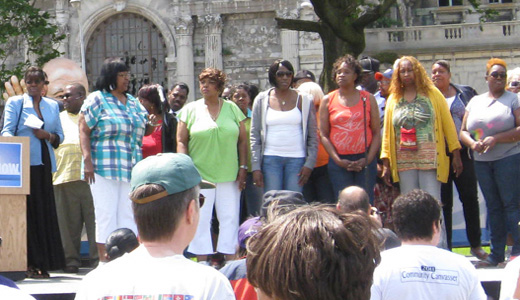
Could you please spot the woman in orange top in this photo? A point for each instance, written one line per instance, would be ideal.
(350, 131)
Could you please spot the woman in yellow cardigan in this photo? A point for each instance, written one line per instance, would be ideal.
(417, 127)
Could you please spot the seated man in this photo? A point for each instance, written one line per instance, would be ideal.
(313, 252)
(355, 198)
(166, 205)
(418, 269)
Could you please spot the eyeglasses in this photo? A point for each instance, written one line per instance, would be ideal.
(497, 75)
(202, 198)
(514, 83)
(282, 73)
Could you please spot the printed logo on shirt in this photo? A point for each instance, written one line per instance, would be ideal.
(429, 274)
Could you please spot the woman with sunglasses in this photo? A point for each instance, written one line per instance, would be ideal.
(418, 128)
(44, 249)
(491, 128)
(284, 140)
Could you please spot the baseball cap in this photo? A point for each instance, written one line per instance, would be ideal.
(369, 64)
(249, 228)
(302, 74)
(283, 199)
(175, 172)
(387, 74)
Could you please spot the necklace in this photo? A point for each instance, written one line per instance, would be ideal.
(283, 102)
(218, 113)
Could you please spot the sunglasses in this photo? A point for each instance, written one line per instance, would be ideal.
(35, 81)
(202, 198)
(497, 75)
(514, 83)
(282, 73)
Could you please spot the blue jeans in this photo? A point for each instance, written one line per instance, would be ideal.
(281, 173)
(253, 196)
(498, 181)
(341, 178)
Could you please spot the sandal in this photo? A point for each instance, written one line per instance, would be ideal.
(36, 273)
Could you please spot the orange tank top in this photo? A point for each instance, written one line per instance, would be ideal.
(347, 124)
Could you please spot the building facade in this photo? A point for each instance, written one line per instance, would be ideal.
(165, 41)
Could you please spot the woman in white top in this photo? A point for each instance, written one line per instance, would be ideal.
(283, 133)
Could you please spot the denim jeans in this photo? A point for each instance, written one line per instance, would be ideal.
(341, 178)
(498, 181)
(253, 197)
(281, 173)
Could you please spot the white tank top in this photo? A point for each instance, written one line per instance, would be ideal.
(284, 133)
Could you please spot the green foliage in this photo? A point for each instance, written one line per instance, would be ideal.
(24, 27)
(386, 57)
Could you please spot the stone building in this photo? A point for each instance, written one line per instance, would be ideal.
(166, 41)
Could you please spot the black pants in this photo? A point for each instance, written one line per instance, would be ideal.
(319, 188)
(466, 185)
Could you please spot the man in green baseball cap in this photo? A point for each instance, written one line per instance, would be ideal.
(166, 202)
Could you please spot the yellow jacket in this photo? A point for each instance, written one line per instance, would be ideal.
(444, 131)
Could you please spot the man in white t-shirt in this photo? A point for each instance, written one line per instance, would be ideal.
(418, 269)
(166, 205)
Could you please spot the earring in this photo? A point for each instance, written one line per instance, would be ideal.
(111, 87)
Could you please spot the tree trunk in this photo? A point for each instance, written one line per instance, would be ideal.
(333, 48)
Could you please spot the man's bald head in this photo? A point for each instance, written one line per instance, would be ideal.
(353, 198)
(62, 72)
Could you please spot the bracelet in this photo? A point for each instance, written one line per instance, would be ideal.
(153, 124)
(243, 167)
(50, 137)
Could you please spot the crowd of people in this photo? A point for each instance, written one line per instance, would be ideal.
(377, 135)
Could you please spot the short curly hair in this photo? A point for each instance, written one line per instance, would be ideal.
(414, 213)
(350, 61)
(314, 252)
(214, 74)
(493, 62)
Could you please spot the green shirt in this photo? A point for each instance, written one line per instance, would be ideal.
(213, 145)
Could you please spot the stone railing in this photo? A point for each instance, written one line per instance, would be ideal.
(497, 35)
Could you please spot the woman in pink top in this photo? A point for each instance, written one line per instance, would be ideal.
(350, 131)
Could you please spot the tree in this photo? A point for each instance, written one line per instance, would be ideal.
(341, 26)
(25, 31)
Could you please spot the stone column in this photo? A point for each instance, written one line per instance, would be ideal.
(290, 39)
(62, 21)
(184, 42)
(213, 46)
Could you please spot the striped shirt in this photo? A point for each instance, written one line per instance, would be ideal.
(116, 136)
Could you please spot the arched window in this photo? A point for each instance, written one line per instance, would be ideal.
(137, 40)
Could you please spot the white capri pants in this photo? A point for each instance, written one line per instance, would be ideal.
(112, 206)
(425, 180)
(226, 199)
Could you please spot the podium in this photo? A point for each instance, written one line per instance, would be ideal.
(14, 188)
